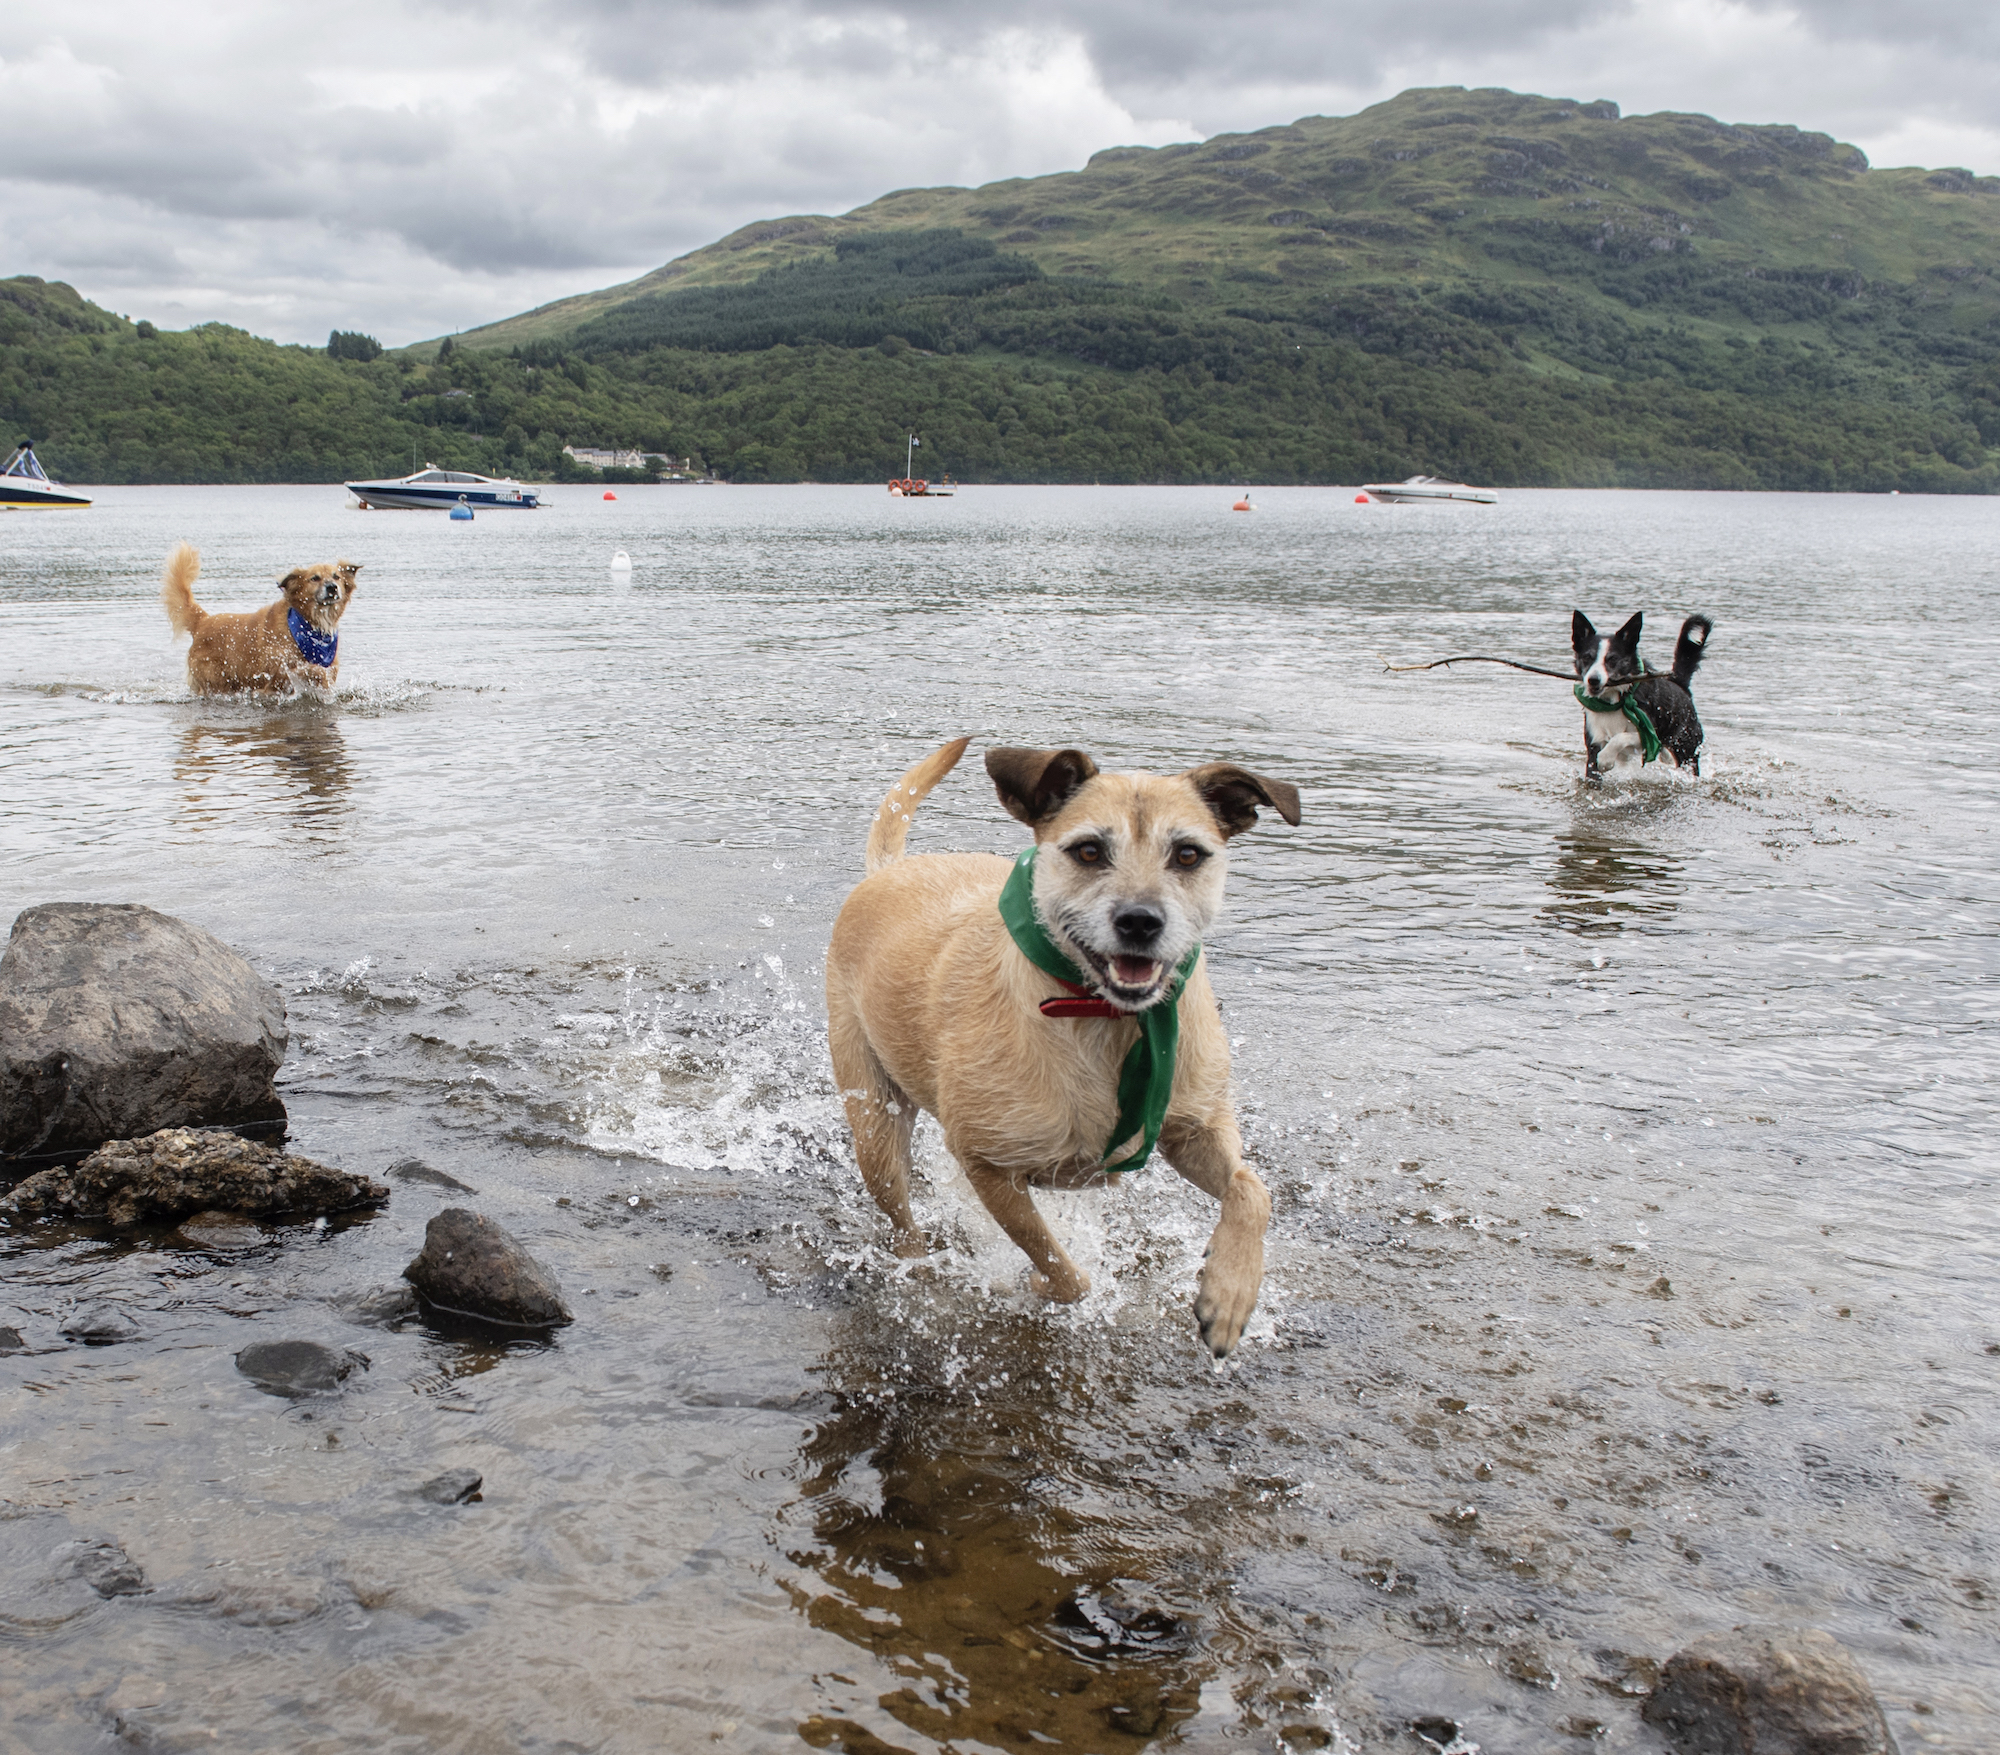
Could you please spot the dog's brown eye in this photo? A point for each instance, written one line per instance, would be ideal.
(1187, 856)
(1088, 853)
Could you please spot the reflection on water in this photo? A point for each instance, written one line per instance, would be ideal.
(941, 1538)
(1599, 884)
(292, 764)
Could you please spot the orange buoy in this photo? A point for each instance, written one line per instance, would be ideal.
(1243, 505)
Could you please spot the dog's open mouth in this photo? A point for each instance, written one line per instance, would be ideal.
(1133, 982)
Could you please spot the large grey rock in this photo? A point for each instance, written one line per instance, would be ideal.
(1768, 1691)
(117, 1021)
(179, 1171)
(471, 1266)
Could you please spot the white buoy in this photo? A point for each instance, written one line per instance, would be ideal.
(621, 562)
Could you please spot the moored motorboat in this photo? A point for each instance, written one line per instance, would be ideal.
(438, 490)
(25, 485)
(1426, 489)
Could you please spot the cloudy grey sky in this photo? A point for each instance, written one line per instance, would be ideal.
(413, 166)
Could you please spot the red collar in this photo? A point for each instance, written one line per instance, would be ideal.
(1085, 1004)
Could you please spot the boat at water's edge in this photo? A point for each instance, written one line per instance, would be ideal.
(25, 485)
(1426, 490)
(431, 489)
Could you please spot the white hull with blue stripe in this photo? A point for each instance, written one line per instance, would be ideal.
(437, 490)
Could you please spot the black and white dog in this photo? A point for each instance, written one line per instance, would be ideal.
(1633, 714)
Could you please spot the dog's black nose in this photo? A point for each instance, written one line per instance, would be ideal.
(1139, 925)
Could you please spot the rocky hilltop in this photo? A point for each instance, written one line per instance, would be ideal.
(1431, 186)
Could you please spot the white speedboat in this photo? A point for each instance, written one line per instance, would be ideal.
(438, 490)
(25, 486)
(1422, 489)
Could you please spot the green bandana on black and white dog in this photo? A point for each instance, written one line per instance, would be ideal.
(1146, 1081)
(1642, 722)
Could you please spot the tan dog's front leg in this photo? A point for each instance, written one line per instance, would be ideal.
(1232, 1271)
(1056, 1277)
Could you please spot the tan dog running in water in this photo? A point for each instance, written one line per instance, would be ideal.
(931, 1004)
(260, 649)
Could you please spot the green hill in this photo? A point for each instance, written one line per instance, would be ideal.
(1510, 288)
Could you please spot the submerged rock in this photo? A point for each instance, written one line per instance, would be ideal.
(416, 1170)
(117, 1021)
(11, 1342)
(378, 1306)
(100, 1325)
(1768, 1691)
(297, 1367)
(1526, 1662)
(453, 1487)
(178, 1172)
(470, 1266)
(222, 1232)
(108, 1569)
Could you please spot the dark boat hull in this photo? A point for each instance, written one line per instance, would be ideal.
(26, 497)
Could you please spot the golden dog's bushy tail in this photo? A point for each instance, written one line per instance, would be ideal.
(177, 589)
(892, 820)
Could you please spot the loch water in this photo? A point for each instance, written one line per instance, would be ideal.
(1633, 1265)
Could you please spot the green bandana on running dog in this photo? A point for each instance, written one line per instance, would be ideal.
(1146, 1080)
(1648, 737)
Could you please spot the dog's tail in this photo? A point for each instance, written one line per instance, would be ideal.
(892, 820)
(1691, 648)
(177, 589)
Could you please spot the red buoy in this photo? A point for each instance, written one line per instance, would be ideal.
(1361, 499)
(609, 495)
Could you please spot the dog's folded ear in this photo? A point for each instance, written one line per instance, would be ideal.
(1035, 784)
(1234, 794)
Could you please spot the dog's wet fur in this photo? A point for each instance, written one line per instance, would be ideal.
(1609, 668)
(932, 1006)
(253, 651)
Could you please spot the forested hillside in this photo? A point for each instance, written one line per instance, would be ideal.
(1513, 289)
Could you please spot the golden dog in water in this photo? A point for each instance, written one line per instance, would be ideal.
(292, 641)
(1053, 1011)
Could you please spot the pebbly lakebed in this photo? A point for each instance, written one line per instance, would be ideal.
(1633, 1151)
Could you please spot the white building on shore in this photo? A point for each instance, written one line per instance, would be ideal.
(591, 457)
